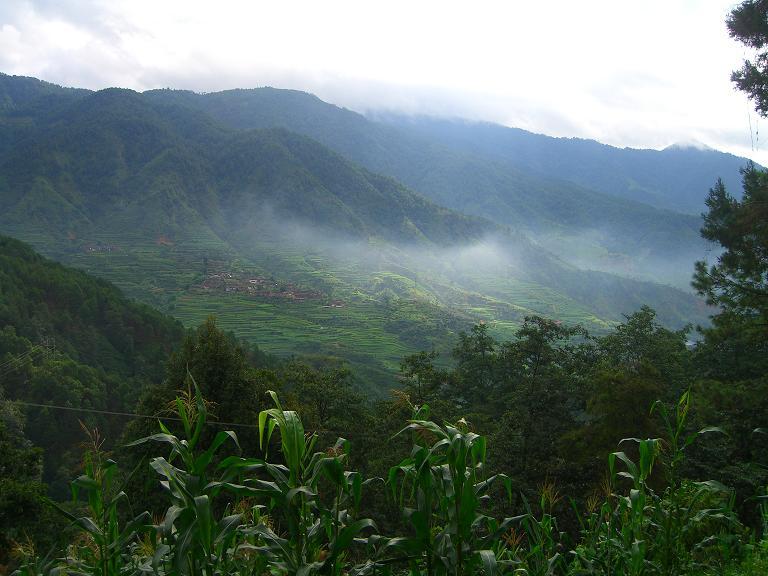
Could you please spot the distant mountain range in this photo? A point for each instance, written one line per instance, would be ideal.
(632, 212)
(312, 229)
(676, 178)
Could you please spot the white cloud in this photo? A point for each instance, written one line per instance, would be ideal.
(627, 73)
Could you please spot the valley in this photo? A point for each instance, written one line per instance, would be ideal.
(368, 289)
(303, 252)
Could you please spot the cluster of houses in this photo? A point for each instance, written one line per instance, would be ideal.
(261, 287)
(91, 248)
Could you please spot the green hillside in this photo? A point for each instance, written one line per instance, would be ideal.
(69, 339)
(595, 227)
(292, 245)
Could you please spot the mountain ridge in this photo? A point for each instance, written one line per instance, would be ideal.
(561, 213)
(634, 172)
(318, 253)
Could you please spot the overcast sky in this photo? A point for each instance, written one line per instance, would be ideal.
(640, 74)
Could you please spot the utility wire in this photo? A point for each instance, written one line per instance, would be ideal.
(10, 365)
(23, 356)
(125, 414)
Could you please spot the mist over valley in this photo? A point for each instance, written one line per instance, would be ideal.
(365, 288)
(145, 189)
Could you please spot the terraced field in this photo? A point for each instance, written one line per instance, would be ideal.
(371, 336)
(370, 305)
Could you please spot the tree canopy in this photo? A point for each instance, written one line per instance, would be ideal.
(748, 24)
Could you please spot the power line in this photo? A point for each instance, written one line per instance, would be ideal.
(20, 357)
(125, 414)
(12, 364)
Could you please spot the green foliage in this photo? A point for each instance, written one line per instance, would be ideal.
(103, 549)
(317, 533)
(422, 378)
(443, 486)
(193, 538)
(737, 281)
(641, 341)
(285, 520)
(24, 518)
(732, 360)
(241, 515)
(747, 24)
(647, 532)
(327, 400)
(755, 563)
(232, 378)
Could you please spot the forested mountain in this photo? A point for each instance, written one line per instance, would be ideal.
(27, 102)
(597, 215)
(289, 242)
(114, 152)
(72, 340)
(675, 178)
(85, 318)
(590, 222)
(20, 96)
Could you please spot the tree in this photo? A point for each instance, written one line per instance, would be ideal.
(618, 407)
(475, 356)
(539, 374)
(219, 365)
(738, 281)
(324, 397)
(421, 377)
(732, 360)
(748, 24)
(23, 513)
(641, 341)
(235, 389)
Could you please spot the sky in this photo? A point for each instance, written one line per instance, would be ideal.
(641, 74)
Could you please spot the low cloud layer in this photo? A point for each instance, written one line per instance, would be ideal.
(626, 74)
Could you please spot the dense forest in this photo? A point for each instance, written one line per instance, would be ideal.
(132, 445)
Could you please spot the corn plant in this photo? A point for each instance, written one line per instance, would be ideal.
(644, 532)
(688, 511)
(33, 565)
(303, 528)
(541, 556)
(442, 489)
(763, 498)
(102, 547)
(192, 539)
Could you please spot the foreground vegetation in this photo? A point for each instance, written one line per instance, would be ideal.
(492, 460)
(493, 464)
(303, 513)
